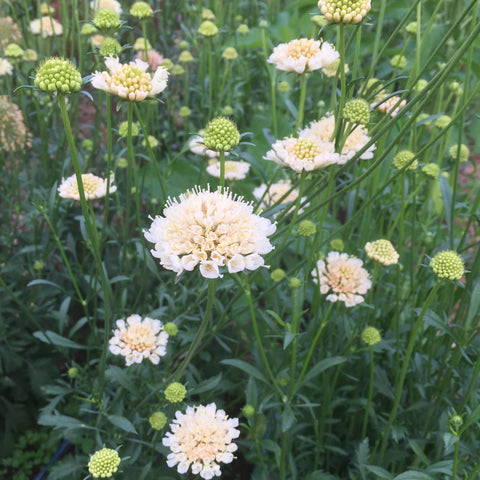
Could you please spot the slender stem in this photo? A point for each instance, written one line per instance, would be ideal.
(370, 393)
(109, 162)
(144, 31)
(337, 134)
(401, 379)
(210, 78)
(455, 459)
(221, 159)
(301, 103)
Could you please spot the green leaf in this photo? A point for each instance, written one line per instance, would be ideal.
(472, 418)
(379, 472)
(55, 339)
(246, 367)
(117, 374)
(322, 366)
(363, 457)
(122, 422)
(474, 302)
(273, 447)
(287, 340)
(206, 385)
(62, 421)
(320, 475)
(413, 475)
(288, 418)
(449, 440)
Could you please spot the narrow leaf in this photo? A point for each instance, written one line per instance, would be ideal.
(246, 367)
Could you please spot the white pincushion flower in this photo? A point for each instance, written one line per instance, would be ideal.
(303, 55)
(130, 81)
(276, 191)
(46, 26)
(137, 339)
(323, 129)
(6, 68)
(112, 5)
(212, 230)
(201, 438)
(234, 170)
(344, 276)
(391, 106)
(303, 154)
(196, 146)
(93, 186)
(382, 251)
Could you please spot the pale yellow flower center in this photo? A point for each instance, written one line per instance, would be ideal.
(139, 338)
(302, 47)
(305, 149)
(132, 78)
(231, 167)
(91, 185)
(341, 278)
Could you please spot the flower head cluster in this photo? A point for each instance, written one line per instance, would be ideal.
(104, 463)
(344, 277)
(201, 438)
(157, 420)
(58, 75)
(391, 106)
(110, 47)
(112, 5)
(197, 146)
(130, 81)
(303, 55)
(207, 14)
(234, 170)
(175, 392)
(357, 111)
(207, 29)
(371, 336)
(221, 135)
(185, 57)
(344, 11)
(107, 21)
(9, 32)
(230, 53)
(448, 264)
(13, 51)
(464, 152)
(137, 339)
(14, 136)
(93, 186)
(303, 154)
(141, 10)
(431, 170)
(398, 61)
(6, 68)
(402, 158)
(323, 129)
(210, 229)
(276, 191)
(46, 26)
(382, 251)
(443, 121)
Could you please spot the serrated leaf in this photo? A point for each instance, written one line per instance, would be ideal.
(122, 422)
(55, 339)
(246, 367)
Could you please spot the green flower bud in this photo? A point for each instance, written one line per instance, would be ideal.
(151, 140)
(207, 29)
(72, 372)
(104, 463)
(227, 110)
(307, 228)
(122, 162)
(398, 61)
(221, 135)
(141, 45)
(448, 264)
(58, 75)
(455, 423)
(242, 29)
(248, 411)
(357, 111)
(371, 336)
(177, 70)
(175, 392)
(157, 420)
(294, 283)
(87, 144)
(13, 51)
(110, 47)
(263, 24)
(184, 112)
(167, 63)
(38, 265)
(170, 328)
(107, 21)
(319, 20)
(123, 130)
(419, 86)
(431, 170)
(283, 87)
(412, 28)
(344, 11)
(230, 53)
(464, 152)
(185, 57)
(456, 88)
(402, 158)
(337, 245)
(183, 45)
(283, 382)
(442, 121)
(207, 14)
(277, 275)
(88, 29)
(30, 55)
(141, 10)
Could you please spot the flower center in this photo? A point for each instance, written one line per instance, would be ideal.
(133, 79)
(139, 338)
(303, 47)
(341, 279)
(306, 149)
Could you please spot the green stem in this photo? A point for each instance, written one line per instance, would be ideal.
(455, 459)
(210, 78)
(337, 134)
(370, 393)
(221, 159)
(401, 379)
(301, 103)
(144, 31)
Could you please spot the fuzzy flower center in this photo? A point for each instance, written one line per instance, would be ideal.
(139, 337)
(302, 47)
(91, 185)
(305, 149)
(341, 277)
(133, 79)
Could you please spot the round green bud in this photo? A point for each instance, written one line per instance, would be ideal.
(371, 336)
(382, 251)
(319, 20)
(38, 265)
(30, 55)
(72, 372)
(46, 9)
(402, 158)
(419, 86)
(177, 70)
(141, 45)
(283, 382)
(456, 88)
(104, 463)
(238, 18)
(227, 110)
(13, 50)
(230, 53)
(141, 10)
(412, 28)
(431, 170)
(263, 24)
(207, 14)
(221, 135)
(207, 29)
(88, 29)
(110, 47)
(277, 275)
(183, 45)
(283, 87)
(107, 21)
(294, 283)
(157, 420)
(442, 121)
(151, 140)
(87, 144)
(307, 228)
(463, 154)
(373, 84)
(398, 61)
(123, 130)
(184, 112)
(122, 162)
(448, 264)
(175, 392)
(170, 328)
(248, 411)
(344, 11)
(58, 75)
(242, 29)
(167, 63)
(185, 57)
(337, 245)
(455, 422)
(357, 111)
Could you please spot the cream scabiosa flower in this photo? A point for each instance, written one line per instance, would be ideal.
(212, 230)
(323, 129)
(391, 105)
(130, 81)
(276, 191)
(113, 5)
(6, 68)
(201, 438)
(93, 186)
(303, 55)
(234, 170)
(46, 26)
(137, 339)
(303, 154)
(344, 276)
